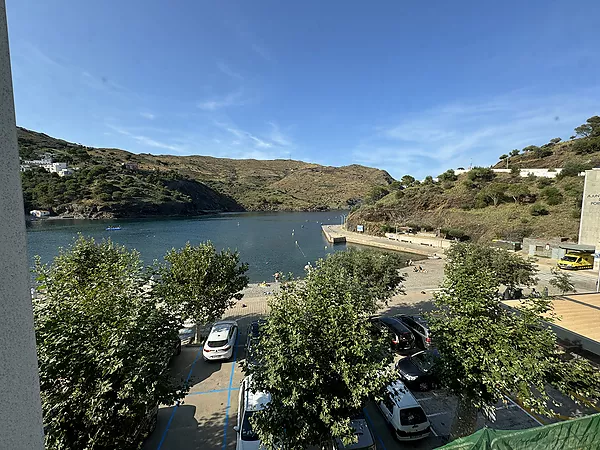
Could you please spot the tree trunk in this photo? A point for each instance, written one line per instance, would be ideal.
(465, 419)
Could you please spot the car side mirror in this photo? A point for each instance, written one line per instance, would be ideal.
(236, 428)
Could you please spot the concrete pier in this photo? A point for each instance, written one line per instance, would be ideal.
(336, 234)
(332, 235)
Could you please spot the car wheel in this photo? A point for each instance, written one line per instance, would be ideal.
(178, 349)
(424, 386)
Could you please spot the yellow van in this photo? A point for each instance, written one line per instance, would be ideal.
(576, 261)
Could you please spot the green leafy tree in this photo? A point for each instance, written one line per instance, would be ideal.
(479, 174)
(562, 281)
(103, 347)
(585, 146)
(202, 282)
(555, 140)
(552, 195)
(514, 152)
(530, 149)
(448, 175)
(494, 192)
(572, 169)
(503, 157)
(377, 193)
(518, 191)
(489, 352)
(408, 181)
(321, 362)
(542, 152)
(589, 129)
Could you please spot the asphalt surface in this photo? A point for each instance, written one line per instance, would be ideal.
(205, 418)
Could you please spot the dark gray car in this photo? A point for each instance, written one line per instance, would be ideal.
(418, 326)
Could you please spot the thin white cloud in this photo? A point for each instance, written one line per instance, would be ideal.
(229, 71)
(262, 52)
(241, 135)
(231, 99)
(148, 115)
(458, 134)
(147, 141)
(278, 137)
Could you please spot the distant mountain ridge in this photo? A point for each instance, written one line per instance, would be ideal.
(117, 183)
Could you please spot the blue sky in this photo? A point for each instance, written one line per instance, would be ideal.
(409, 87)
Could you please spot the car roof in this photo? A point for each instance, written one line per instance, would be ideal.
(365, 437)
(395, 324)
(220, 331)
(416, 318)
(401, 395)
(255, 400)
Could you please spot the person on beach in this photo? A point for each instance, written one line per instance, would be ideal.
(276, 276)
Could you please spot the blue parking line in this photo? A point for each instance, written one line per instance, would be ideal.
(373, 428)
(214, 391)
(229, 399)
(164, 435)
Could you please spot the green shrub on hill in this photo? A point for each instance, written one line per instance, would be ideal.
(538, 209)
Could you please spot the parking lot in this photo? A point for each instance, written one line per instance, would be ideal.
(205, 418)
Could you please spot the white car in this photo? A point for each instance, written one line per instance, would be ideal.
(403, 413)
(249, 402)
(220, 341)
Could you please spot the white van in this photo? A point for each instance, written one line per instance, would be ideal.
(403, 413)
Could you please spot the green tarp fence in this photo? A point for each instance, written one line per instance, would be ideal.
(582, 433)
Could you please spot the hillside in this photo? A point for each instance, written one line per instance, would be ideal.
(182, 185)
(482, 205)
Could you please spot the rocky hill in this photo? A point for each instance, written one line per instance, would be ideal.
(117, 183)
(483, 205)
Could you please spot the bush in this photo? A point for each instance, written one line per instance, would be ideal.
(539, 210)
(448, 175)
(572, 169)
(587, 145)
(480, 174)
(454, 233)
(552, 195)
(543, 182)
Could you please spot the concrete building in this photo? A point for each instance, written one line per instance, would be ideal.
(55, 167)
(589, 226)
(20, 406)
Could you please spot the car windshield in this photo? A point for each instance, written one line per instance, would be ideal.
(215, 344)
(424, 361)
(412, 416)
(246, 432)
(570, 258)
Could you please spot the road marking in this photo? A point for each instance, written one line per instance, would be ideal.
(373, 428)
(229, 398)
(438, 414)
(164, 435)
(424, 399)
(214, 391)
(525, 411)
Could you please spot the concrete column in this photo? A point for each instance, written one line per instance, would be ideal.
(20, 408)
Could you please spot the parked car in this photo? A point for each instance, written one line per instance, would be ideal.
(252, 357)
(187, 333)
(418, 326)
(249, 402)
(417, 370)
(403, 413)
(221, 341)
(401, 336)
(366, 441)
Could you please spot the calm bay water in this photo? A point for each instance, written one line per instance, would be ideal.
(268, 242)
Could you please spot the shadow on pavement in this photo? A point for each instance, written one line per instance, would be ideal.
(186, 432)
(408, 308)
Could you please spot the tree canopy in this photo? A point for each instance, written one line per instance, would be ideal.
(202, 282)
(488, 351)
(320, 360)
(103, 347)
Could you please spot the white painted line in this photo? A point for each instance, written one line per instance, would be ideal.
(424, 399)
(433, 431)
(437, 414)
(498, 408)
(526, 412)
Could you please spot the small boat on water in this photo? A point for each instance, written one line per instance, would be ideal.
(113, 228)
